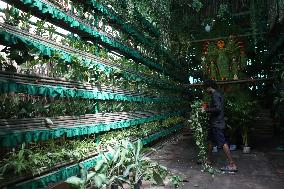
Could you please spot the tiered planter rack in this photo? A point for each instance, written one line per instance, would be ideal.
(18, 131)
(48, 86)
(12, 35)
(116, 21)
(50, 12)
(14, 132)
(62, 171)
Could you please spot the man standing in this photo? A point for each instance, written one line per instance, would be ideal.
(217, 124)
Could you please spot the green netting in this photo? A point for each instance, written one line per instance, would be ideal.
(12, 138)
(65, 172)
(59, 91)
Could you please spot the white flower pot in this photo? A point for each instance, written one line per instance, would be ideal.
(215, 149)
(233, 147)
(246, 149)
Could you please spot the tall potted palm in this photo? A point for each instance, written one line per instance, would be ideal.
(245, 111)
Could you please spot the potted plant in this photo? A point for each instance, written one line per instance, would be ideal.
(248, 111)
(246, 148)
(241, 112)
(231, 123)
(232, 134)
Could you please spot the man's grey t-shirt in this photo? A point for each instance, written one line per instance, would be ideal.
(216, 110)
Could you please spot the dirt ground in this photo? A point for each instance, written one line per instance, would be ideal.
(263, 168)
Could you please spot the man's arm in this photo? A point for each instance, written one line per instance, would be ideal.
(216, 107)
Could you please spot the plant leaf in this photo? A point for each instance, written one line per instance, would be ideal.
(90, 175)
(76, 181)
(99, 165)
(127, 170)
(116, 155)
(98, 181)
(138, 149)
(158, 179)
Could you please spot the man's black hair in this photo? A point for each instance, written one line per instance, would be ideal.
(210, 83)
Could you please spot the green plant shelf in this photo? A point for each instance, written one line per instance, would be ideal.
(18, 131)
(63, 173)
(12, 35)
(47, 86)
(50, 12)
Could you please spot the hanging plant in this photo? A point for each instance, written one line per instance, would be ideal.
(253, 22)
(223, 11)
(197, 5)
(198, 123)
(234, 68)
(213, 70)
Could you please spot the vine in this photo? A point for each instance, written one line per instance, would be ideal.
(198, 123)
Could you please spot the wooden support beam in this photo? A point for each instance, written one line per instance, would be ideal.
(226, 37)
(239, 81)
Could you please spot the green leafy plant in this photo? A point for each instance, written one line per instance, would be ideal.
(11, 16)
(140, 166)
(197, 5)
(83, 181)
(156, 173)
(2, 62)
(198, 123)
(112, 164)
(240, 110)
(51, 31)
(25, 20)
(40, 30)
(223, 11)
(42, 156)
(176, 180)
(16, 161)
(279, 93)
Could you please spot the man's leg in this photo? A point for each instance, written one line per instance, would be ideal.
(220, 138)
(229, 156)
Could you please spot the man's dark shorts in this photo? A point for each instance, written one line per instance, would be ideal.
(216, 136)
